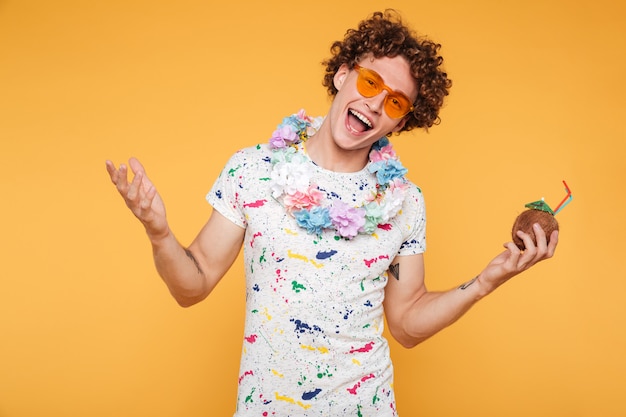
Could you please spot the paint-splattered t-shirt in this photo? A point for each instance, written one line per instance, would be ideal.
(313, 342)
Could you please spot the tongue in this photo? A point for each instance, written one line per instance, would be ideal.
(355, 123)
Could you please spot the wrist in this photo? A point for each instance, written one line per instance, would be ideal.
(484, 286)
(476, 287)
(157, 238)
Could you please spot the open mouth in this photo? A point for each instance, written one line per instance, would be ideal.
(358, 122)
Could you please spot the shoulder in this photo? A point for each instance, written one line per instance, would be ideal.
(412, 221)
(414, 195)
(253, 153)
(252, 157)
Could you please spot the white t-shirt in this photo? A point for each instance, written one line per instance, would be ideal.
(313, 343)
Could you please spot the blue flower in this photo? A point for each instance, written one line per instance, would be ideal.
(381, 143)
(387, 171)
(314, 220)
(296, 122)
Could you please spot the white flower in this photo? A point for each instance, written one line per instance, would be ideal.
(391, 203)
(290, 177)
(316, 123)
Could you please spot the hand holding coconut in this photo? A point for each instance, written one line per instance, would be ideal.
(535, 237)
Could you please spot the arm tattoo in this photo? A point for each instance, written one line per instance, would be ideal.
(193, 258)
(467, 284)
(394, 270)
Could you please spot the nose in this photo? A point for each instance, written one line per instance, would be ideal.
(377, 102)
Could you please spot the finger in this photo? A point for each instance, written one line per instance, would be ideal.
(512, 254)
(137, 167)
(540, 240)
(146, 202)
(529, 243)
(112, 171)
(554, 240)
(134, 190)
(122, 179)
(529, 253)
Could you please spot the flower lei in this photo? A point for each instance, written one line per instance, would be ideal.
(291, 180)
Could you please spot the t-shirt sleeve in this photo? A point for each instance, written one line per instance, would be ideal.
(224, 195)
(413, 218)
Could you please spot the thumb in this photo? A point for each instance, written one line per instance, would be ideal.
(135, 165)
(138, 169)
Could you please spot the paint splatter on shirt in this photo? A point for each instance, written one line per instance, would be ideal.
(313, 342)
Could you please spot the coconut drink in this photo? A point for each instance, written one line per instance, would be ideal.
(541, 213)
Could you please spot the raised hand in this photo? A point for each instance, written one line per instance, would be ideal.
(140, 196)
(514, 261)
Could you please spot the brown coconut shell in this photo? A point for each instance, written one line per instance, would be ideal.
(525, 221)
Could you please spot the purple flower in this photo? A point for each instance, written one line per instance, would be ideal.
(291, 130)
(282, 136)
(347, 220)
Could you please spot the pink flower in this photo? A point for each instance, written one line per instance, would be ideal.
(303, 200)
(347, 220)
(383, 154)
(372, 196)
(302, 116)
(398, 184)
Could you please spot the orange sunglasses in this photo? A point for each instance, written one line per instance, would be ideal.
(369, 84)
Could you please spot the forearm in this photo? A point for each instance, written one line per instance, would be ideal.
(434, 311)
(415, 314)
(179, 269)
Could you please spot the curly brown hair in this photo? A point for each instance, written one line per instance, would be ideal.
(384, 35)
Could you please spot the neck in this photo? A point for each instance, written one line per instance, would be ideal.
(324, 151)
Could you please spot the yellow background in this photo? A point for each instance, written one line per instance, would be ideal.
(88, 329)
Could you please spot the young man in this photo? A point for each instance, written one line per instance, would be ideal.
(334, 236)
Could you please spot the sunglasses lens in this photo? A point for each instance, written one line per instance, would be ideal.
(397, 105)
(369, 84)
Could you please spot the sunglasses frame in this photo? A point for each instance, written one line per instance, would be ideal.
(382, 87)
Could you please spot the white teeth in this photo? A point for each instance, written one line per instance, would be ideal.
(361, 118)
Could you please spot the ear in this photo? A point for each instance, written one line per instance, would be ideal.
(340, 76)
